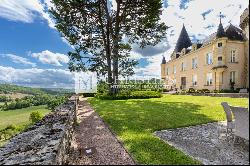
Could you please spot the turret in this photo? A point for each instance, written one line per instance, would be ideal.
(220, 31)
(183, 40)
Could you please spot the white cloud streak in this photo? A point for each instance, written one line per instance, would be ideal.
(25, 11)
(48, 57)
(19, 59)
(195, 24)
(35, 77)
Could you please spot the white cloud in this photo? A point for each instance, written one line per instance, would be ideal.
(48, 57)
(195, 24)
(19, 59)
(35, 77)
(25, 10)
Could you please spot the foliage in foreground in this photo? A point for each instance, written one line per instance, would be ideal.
(192, 90)
(134, 122)
(35, 116)
(56, 101)
(4, 99)
(10, 131)
(15, 121)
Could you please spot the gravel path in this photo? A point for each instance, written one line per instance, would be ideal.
(94, 143)
(207, 143)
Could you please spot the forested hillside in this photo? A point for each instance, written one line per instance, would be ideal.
(8, 88)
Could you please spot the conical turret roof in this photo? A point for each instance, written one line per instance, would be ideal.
(220, 31)
(163, 60)
(183, 40)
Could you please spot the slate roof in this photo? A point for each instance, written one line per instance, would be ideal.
(183, 40)
(163, 60)
(232, 33)
(220, 31)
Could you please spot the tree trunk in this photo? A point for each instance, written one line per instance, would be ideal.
(115, 52)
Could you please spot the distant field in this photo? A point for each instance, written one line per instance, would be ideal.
(15, 95)
(19, 116)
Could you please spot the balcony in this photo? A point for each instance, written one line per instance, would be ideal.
(220, 64)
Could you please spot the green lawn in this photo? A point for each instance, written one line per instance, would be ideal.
(134, 121)
(19, 116)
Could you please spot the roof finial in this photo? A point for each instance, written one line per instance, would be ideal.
(220, 17)
(220, 31)
(163, 60)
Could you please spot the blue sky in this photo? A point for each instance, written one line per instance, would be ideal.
(32, 52)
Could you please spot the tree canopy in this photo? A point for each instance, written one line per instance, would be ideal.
(103, 35)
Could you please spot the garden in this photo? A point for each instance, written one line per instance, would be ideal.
(135, 120)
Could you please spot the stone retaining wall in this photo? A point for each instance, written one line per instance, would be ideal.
(46, 142)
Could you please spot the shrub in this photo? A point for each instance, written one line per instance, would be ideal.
(229, 91)
(216, 91)
(56, 101)
(10, 131)
(165, 90)
(35, 116)
(191, 90)
(89, 94)
(199, 91)
(4, 99)
(205, 91)
(123, 95)
(102, 87)
(11, 127)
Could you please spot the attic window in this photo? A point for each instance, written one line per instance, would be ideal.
(219, 44)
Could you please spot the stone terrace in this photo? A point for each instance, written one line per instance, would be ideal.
(208, 144)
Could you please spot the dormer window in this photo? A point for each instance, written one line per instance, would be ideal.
(220, 44)
(194, 47)
(183, 51)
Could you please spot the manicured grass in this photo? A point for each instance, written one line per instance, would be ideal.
(20, 116)
(135, 120)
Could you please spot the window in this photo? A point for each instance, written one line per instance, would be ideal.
(167, 71)
(233, 76)
(194, 63)
(209, 58)
(174, 71)
(174, 82)
(219, 58)
(194, 80)
(233, 56)
(221, 78)
(183, 66)
(209, 79)
(219, 44)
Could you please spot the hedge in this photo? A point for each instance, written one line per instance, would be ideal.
(130, 95)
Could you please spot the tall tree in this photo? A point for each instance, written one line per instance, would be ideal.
(102, 36)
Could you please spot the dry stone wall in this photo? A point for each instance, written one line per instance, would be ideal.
(46, 142)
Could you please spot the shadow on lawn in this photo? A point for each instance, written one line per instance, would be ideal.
(149, 115)
(135, 120)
